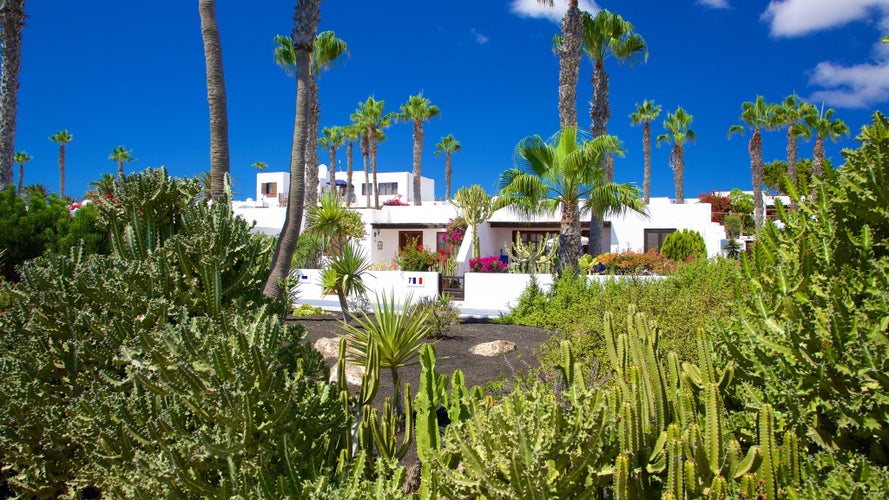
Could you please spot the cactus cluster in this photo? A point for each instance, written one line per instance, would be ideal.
(533, 257)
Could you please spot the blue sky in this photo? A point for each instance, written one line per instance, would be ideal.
(132, 74)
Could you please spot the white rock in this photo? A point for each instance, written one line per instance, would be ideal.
(329, 347)
(494, 348)
(353, 374)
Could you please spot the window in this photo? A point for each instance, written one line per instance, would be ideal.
(367, 189)
(654, 238)
(269, 188)
(388, 187)
(441, 246)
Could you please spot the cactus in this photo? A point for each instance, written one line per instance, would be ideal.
(622, 477)
(674, 468)
(533, 257)
(768, 469)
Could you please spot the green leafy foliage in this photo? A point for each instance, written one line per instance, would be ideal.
(442, 314)
(684, 245)
(29, 227)
(635, 263)
(415, 257)
(83, 229)
(811, 337)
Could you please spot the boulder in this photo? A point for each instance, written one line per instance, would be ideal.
(353, 374)
(329, 347)
(495, 348)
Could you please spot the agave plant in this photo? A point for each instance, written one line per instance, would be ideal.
(397, 335)
(344, 276)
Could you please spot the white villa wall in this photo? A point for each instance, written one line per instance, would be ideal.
(281, 179)
(399, 284)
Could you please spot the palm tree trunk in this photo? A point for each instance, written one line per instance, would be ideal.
(569, 237)
(219, 155)
(448, 175)
(61, 171)
(600, 112)
(791, 156)
(756, 167)
(367, 184)
(594, 247)
(12, 21)
(21, 178)
(373, 166)
(570, 54)
(331, 169)
(312, 145)
(306, 18)
(817, 166)
(679, 173)
(646, 151)
(418, 159)
(349, 174)
(120, 174)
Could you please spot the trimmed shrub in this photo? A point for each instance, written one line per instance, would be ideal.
(630, 262)
(29, 227)
(415, 257)
(684, 245)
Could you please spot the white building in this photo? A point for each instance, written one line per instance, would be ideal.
(393, 227)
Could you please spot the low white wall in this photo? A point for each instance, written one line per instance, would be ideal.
(498, 291)
(399, 283)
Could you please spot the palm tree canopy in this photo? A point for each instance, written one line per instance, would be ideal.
(22, 157)
(285, 53)
(448, 145)
(370, 114)
(332, 137)
(648, 111)
(677, 126)
(260, 165)
(825, 126)
(62, 137)
(417, 108)
(550, 174)
(327, 49)
(792, 113)
(755, 115)
(120, 153)
(607, 32)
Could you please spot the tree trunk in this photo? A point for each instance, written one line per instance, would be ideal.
(12, 21)
(219, 155)
(21, 178)
(817, 166)
(447, 175)
(570, 54)
(569, 238)
(349, 174)
(594, 247)
(646, 151)
(120, 171)
(61, 171)
(331, 170)
(756, 167)
(364, 154)
(791, 156)
(600, 113)
(312, 145)
(306, 18)
(418, 160)
(373, 165)
(679, 172)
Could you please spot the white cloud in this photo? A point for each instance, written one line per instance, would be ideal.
(479, 38)
(858, 86)
(798, 17)
(716, 4)
(536, 9)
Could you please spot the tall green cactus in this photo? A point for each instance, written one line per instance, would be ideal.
(622, 477)
(768, 470)
(532, 257)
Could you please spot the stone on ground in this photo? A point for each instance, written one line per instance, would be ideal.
(495, 348)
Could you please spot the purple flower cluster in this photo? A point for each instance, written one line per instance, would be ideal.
(491, 264)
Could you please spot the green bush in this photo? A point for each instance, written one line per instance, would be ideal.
(684, 245)
(442, 313)
(811, 336)
(83, 229)
(415, 257)
(29, 227)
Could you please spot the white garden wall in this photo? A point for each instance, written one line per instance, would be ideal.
(401, 284)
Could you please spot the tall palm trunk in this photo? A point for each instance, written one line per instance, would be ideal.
(646, 152)
(61, 171)
(349, 174)
(373, 165)
(307, 14)
(594, 246)
(312, 145)
(677, 159)
(570, 53)
(756, 166)
(448, 175)
(817, 165)
(418, 159)
(569, 237)
(599, 115)
(792, 151)
(219, 155)
(365, 152)
(331, 169)
(12, 21)
(21, 178)
(120, 173)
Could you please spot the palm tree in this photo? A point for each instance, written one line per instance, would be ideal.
(608, 33)
(103, 187)
(351, 133)
(476, 206)
(791, 114)
(448, 146)
(417, 110)
(307, 14)
(645, 114)
(35, 190)
(756, 115)
(557, 175)
(824, 126)
(326, 48)
(678, 132)
(62, 138)
(374, 121)
(12, 22)
(21, 158)
(122, 155)
(569, 51)
(219, 156)
(331, 139)
(360, 127)
(260, 165)
(608, 198)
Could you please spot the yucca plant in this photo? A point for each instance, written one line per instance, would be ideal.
(397, 334)
(344, 276)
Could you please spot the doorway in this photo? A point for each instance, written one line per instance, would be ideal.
(406, 238)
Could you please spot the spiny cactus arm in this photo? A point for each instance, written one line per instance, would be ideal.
(768, 468)
(621, 477)
(790, 457)
(674, 469)
(426, 403)
(714, 427)
(744, 466)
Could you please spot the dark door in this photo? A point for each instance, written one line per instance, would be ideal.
(406, 238)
